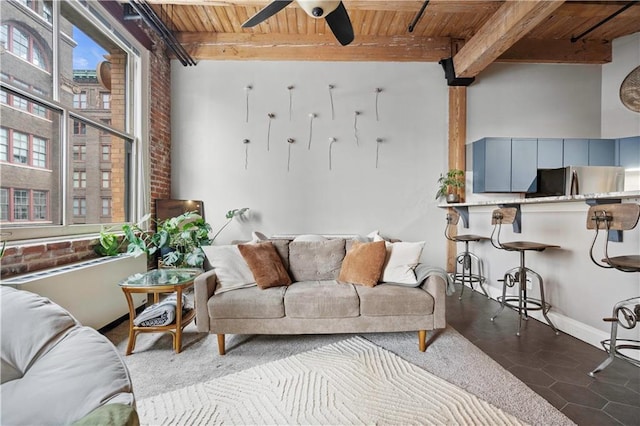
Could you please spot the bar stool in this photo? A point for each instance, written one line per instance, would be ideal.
(466, 259)
(626, 313)
(519, 274)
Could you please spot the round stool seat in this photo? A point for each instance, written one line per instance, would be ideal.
(630, 262)
(469, 237)
(526, 245)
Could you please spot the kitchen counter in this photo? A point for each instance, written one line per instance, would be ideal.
(540, 200)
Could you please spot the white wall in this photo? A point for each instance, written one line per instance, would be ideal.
(208, 156)
(617, 120)
(208, 126)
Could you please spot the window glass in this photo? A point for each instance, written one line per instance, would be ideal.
(20, 204)
(92, 68)
(4, 204)
(40, 209)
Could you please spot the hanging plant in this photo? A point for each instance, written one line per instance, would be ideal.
(311, 117)
(331, 87)
(290, 89)
(378, 143)
(246, 153)
(331, 142)
(290, 141)
(355, 127)
(378, 91)
(271, 117)
(247, 89)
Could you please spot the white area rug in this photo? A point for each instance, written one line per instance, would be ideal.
(348, 382)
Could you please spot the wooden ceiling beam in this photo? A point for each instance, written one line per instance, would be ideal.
(313, 47)
(409, 48)
(511, 22)
(439, 6)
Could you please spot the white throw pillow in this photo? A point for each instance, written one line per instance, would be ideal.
(402, 259)
(231, 268)
(257, 236)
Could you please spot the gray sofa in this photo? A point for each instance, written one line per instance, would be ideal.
(316, 302)
(56, 371)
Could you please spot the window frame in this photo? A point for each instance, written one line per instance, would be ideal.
(135, 132)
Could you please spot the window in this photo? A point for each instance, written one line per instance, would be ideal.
(79, 128)
(4, 144)
(39, 155)
(106, 180)
(105, 99)
(79, 206)
(106, 207)
(80, 179)
(106, 152)
(80, 100)
(67, 165)
(4, 204)
(20, 204)
(20, 148)
(39, 205)
(79, 152)
(22, 44)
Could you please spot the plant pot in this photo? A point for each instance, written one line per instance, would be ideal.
(453, 198)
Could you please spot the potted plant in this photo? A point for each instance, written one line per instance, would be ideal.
(180, 238)
(449, 183)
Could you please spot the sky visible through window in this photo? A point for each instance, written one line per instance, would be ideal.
(87, 54)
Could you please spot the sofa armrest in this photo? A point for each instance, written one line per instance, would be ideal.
(435, 285)
(203, 287)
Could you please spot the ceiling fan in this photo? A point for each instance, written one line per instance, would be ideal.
(332, 11)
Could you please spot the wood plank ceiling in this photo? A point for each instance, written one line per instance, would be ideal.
(212, 29)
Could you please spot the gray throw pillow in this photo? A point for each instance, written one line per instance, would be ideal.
(316, 260)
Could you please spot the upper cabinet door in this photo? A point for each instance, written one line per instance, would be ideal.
(602, 152)
(629, 152)
(524, 161)
(576, 152)
(497, 165)
(549, 153)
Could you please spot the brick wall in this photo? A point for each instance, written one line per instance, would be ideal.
(34, 257)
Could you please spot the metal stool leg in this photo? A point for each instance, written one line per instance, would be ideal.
(466, 261)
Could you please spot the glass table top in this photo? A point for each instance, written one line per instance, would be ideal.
(160, 277)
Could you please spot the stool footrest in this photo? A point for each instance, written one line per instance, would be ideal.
(537, 304)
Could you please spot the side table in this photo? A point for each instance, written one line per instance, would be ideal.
(156, 282)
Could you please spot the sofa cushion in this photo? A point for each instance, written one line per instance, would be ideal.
(80, 373)
(321, 299)
(393, 300)
(401, 261)
(31, 325)
(252, 302)
(231, 269)
(363, 263)
(316, 260)
(265, 264)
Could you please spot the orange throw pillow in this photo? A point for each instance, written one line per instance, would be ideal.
(363, 263)
(265, 264)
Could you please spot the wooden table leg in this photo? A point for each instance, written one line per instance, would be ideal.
(132, 314)
(178, 334)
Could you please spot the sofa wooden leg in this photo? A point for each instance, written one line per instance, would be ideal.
(221, 349)
(422, 340)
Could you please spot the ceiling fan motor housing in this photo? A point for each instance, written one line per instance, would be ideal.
(318, 8)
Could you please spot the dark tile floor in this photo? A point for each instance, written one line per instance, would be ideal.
(555, 367)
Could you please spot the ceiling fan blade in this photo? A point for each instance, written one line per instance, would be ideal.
(267, 12)
(340, 25)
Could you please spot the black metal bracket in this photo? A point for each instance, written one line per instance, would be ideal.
(450, 74)
(517, 221)
(614, 235)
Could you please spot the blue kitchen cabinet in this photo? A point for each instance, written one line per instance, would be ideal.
(602, 152)
(504, 165)
(524, 165)
(549, 153)
(575, 152)
(628, 152)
